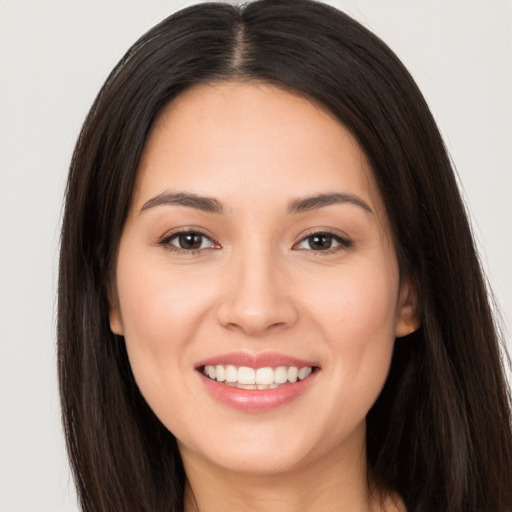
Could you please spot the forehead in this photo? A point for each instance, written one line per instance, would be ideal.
(254, 139)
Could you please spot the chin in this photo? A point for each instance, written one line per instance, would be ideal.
(248, 459)
(267, 450)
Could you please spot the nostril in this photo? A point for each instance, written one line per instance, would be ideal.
(257, 321)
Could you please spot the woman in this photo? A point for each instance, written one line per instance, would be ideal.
(269, 294)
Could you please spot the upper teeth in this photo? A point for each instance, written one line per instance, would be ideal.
(263, 376)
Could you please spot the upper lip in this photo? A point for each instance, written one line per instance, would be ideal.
(252, 360)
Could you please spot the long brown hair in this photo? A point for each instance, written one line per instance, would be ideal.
(440, 432)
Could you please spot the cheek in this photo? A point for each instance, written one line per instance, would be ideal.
(162, 313)
(355, 303)
(356, 314)
(159, 301)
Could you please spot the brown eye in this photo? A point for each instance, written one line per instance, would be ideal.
(323, 242)
(188, 241)
(320, 242)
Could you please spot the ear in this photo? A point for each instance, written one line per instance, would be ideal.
(407, 314)
(116, 324)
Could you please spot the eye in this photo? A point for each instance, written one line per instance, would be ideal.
(188, 241)
(323, 242)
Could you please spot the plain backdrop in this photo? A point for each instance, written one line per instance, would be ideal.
(54, 56)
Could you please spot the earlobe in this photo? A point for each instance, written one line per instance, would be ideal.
(407, 314)
(116, 325)
(115, 322)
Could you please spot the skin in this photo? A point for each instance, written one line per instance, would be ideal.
(257, 285)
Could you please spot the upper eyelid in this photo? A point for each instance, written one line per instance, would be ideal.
(184, 230)
(335, 233)
(342, 238)
(323, 233)
(344, 242)
(165, 242)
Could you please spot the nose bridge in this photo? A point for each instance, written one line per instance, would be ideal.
(257, 284)
(258, 298)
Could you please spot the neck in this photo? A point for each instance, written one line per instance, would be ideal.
(333, 483)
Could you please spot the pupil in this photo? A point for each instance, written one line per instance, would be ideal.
(190, 241)
(320, 242)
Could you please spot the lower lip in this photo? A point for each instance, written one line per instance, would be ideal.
(254, 400)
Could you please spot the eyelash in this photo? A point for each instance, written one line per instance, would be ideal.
(343, 243)
(166, 241)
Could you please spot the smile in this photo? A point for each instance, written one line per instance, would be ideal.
(256, 382)
(244, 377)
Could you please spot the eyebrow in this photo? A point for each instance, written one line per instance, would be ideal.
(310, 203)
(211, 205)
(206, 204)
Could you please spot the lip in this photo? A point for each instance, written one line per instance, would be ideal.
(253, 400)
(261, 360)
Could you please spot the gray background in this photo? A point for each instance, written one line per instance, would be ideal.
(54, 56)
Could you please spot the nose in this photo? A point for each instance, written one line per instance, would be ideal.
(258, 297)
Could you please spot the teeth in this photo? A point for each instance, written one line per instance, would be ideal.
(231, 373)
(245, 377)
(211, 372)
(221, 373)
(304, 372)
(264, 376)
(293, 373)
(280, 375)
(246, 386)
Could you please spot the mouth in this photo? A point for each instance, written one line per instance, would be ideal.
(256, 382)
(261, 379)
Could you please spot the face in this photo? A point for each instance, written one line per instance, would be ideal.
(257, 285)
